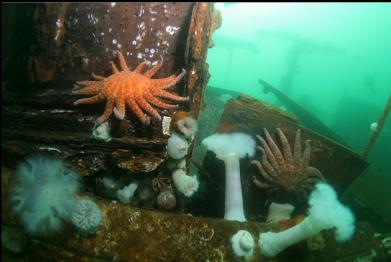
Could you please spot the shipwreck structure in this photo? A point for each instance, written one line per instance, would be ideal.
(49, 47)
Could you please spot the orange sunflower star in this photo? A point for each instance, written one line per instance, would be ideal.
(134, 88)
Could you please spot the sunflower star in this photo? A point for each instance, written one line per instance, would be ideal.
(135, 88)
(284, 170)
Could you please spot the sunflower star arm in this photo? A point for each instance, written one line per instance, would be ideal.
(108, 110)
(88, 83)
(114, 67)
(285, 147)
(122, 62)
(269, 169)
(259, 184)
(137, 111)
(90, 90)
(98, 77)
(167, 82)
(168, 95)
(119, 109)
(262, 171)
(154, 69)
(156, 102)
(163, 83)
(89, 100)
(156, 83)
(148, 108)
(269, 154)
(314, 174)
(140, 68)
(274, 148)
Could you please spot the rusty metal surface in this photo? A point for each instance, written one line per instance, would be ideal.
(81, 38)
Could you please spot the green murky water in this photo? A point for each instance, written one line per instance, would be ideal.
(333, 59)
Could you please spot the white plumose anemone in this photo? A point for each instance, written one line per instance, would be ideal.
(126, 194)
(44, 194)
(230, 148)
(325, 212)
(188, 126)
(177, 146)
(185, 184)
(101, 132)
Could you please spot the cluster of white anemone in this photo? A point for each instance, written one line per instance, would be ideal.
(45, 195)
(230, 148)
(177, 149)
(325, 211)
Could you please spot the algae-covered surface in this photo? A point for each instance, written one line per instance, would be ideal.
(134, 234)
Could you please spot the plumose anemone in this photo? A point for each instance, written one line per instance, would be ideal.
(44, 194)
(325, 212)
(230, 148)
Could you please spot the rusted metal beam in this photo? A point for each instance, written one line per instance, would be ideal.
(378, 129)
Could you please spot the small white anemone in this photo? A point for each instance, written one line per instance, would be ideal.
(126, 193)
(243, 243)
(177, 146)
(185, 184)
(101, 132)
(187, 126)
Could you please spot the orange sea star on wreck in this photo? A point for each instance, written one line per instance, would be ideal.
(135, 88)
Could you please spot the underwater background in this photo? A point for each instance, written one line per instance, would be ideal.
(333, 59)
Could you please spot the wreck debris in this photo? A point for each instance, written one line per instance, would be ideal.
(60, 29)
(251, 115)
(378, 129)
(41, 69)
(305, 117)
